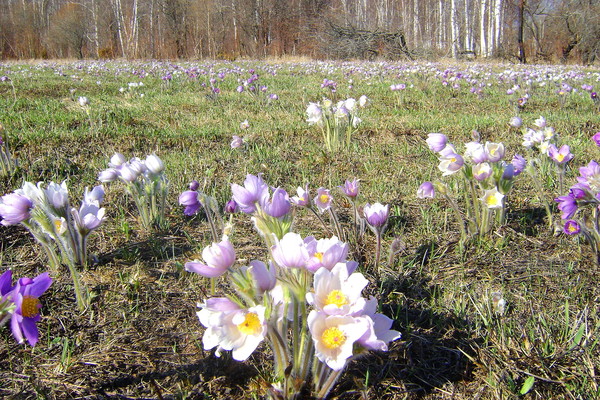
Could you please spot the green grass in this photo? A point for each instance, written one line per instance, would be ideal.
(142, 337)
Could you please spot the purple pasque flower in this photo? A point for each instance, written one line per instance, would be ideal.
(325, 253)
(255, 190)
(379, 334)
(5, 283)
(218, 258)
(191, 200)
(596, 138)
(194, 185)
(568, 206)
(265, 278)
(117, 160)
(14, 208)
(572, 227)
(350, 188)
(450, 163)
(590, 175)
(108, 175)
(231, 207)
(579, 191)
(303, 198)
(236, 142)
(376, 215)
(154, 164)
(88, 217)
(290, 251)
(323, 199)
(519, 163)
(560, 156)
(436, 141)
(482, 171)
(25, 297)
(516, 122)
(475, 152)
(426, 191)
(278, 205)
(57, 195)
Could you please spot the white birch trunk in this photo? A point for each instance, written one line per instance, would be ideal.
(498, 25)
(454, 26)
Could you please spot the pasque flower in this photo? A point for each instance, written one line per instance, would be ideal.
(218, 257)
(26, 296)
(291, 251)
(337, 292)
(492, 198)
(560, 156)
(436, 141)
(426, 190)
(350, 188)
(323, 199)
(255, 190)
(450, 163)
(278, 205)
(229, 327)
(14, 209)
(572, 227)
(568, 206)
(324, 253)
(334, 337)
(191, 200)
(376, 214)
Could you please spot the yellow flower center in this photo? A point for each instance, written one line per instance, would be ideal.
(560, 157)
(251, 325)
(336, 297)
(572, 228)
(453, 160)
(324, 198)
(30, 307)
(333, 338)
(59, 226)
(318, 255)
(492, 201)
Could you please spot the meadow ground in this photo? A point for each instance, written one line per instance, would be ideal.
(141, 337)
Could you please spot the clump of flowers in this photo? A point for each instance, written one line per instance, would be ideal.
(337, 121)
(580, 207)
(486, 177)
(548, 162)
(21, 305)
(62, 230)
(146, 182)
(7, 163)
(305, 301)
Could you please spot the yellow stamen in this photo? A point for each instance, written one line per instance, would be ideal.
(333, 338)
(336, 297)
(251, 325)
(318, 255)
(560, 157)
(30, 307)
(324, 198)
(572, 228)
(492, 201)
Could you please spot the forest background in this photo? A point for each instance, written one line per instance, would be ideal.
(517, 30)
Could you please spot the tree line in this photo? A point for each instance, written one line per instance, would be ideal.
(548, 30)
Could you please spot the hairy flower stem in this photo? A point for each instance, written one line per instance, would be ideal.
(329, 383)
(81, 295)
(336, 224)
(320, 219)
(378, 251)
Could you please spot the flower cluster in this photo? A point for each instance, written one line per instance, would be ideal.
(580, 208)
(145, 181)
(20, 303)
(307, 287)
(62, 230)
(489, 179)
(338, 121)
(547, 160)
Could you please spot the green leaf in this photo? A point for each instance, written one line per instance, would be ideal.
(578, 337)
(527, 385)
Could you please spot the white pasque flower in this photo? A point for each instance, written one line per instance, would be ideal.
(492, 198)
(337, 292)
(334, 337)
(229, 327)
